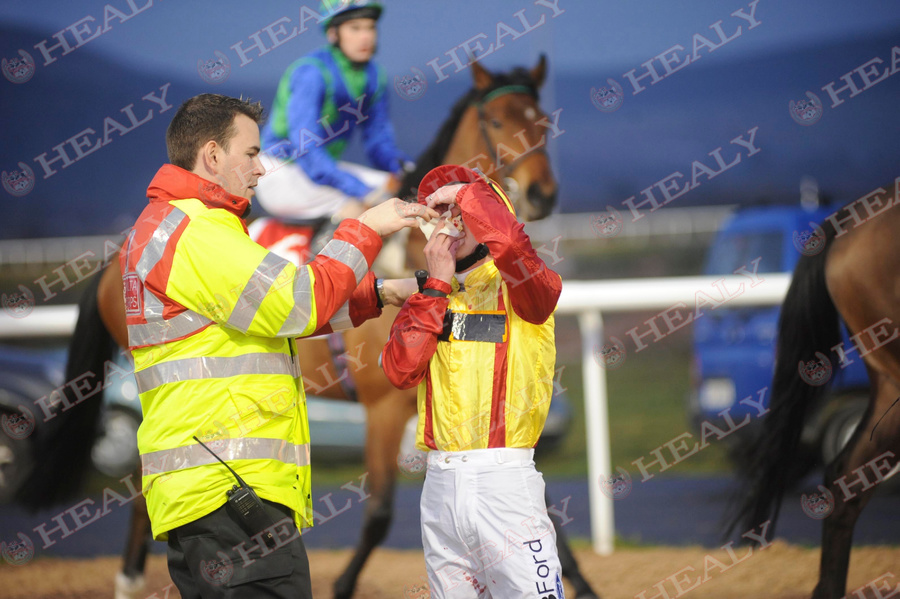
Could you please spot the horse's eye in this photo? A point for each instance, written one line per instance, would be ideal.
(496, 124)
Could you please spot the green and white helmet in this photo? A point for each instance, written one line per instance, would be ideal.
(339, 11)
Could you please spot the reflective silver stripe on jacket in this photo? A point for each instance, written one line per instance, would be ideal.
(348, 254)
(341, 319)
(155, 248)
(157, 330)
(242, 448)
(255, 291)
(298, 318)
(214, 367)
(153, 307)
(163, 331)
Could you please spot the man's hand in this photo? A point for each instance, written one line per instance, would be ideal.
(440, 252)
(396, 291)
(395, 214)
(444, 196)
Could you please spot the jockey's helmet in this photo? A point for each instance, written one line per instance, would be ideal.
(340, 11)
(451, 173)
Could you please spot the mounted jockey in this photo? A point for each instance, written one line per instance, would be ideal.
(321, 99)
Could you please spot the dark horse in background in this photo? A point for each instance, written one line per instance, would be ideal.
(497, 126)
(855, 277)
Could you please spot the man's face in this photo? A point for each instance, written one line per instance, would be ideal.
(357, 39)
(240, 167)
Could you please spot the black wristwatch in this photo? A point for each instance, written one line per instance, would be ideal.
(379, 292)
(421, 279)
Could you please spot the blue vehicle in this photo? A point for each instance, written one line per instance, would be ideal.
(734, 348)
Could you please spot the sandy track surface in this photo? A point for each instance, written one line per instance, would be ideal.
(780, 571)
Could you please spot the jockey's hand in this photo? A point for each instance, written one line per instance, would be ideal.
(395, 214)
(396, 291)
(444, 196)
(440, 252)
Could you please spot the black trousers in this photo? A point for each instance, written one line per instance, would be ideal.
(214, 558)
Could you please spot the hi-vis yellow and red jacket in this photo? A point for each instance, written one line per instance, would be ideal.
(212, 318)
(484, 357)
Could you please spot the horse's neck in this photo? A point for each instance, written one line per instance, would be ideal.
(466, 147)
(462, 149)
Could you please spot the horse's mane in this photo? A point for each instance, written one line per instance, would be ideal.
(434, 155)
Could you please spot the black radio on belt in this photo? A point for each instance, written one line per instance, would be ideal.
(248, 507)
(244, 503)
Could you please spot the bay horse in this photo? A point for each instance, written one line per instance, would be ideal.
(498, 126)
(850, 274)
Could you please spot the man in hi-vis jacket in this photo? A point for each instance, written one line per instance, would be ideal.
(212, 318)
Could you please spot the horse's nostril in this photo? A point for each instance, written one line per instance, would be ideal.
(542, 203)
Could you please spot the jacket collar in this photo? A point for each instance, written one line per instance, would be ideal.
(175, 183)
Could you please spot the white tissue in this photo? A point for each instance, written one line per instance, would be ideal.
(428, 227)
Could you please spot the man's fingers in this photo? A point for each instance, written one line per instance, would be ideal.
(412, 210)
(441, 243)
(438, 197)
(444, 195)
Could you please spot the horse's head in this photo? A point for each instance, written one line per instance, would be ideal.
(504, 133)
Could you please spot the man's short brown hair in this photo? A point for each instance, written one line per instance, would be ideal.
(201, 119)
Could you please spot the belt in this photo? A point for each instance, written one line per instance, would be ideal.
(513, 456)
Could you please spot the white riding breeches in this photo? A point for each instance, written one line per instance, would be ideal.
(285, 191)
(485, 527)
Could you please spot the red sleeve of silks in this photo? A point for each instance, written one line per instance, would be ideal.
(533, 287)
(414, 337)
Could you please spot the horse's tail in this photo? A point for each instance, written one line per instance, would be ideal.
(65, 440)
(808, 324)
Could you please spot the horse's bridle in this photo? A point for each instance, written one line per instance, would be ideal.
(510, 184)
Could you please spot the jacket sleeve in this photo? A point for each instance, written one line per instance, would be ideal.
(306, 133)
(378, 138)
(220, 273)
(414, 337)
(362, 306)
(533, 288)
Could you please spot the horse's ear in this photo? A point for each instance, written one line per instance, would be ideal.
(540, 71)
(481, 76)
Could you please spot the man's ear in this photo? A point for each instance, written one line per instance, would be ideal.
(331, 35)
(209, 156)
